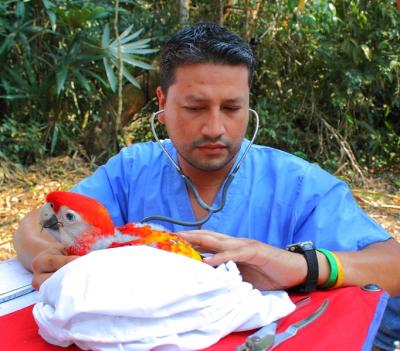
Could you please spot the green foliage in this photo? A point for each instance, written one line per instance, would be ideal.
(327, 85)
(328, 75)
(58, 64)
(21, 139)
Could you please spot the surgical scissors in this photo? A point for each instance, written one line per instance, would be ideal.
(266, 339)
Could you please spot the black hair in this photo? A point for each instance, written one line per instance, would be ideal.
(203, 43)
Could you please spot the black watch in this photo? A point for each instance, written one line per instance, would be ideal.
(307, 249)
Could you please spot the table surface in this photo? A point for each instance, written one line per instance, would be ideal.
(350, 323)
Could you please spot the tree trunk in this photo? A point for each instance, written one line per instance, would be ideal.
(184, 12)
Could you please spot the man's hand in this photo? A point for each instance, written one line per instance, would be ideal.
(46, 263)
(265, 266)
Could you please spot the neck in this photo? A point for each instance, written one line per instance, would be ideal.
(205, 179)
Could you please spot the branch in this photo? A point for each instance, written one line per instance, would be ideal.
(120, 72)
(345, 148)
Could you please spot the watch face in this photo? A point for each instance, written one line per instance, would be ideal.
(307, 245)
(301, 247)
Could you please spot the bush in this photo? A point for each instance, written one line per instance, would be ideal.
(326, 85)
(59, 64)
(328, 81)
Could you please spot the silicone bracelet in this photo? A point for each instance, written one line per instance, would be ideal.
(340, 278)
(333, 275)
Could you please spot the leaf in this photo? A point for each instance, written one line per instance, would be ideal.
(7, 43)
(53, 20)
(95, 76)
(292, 4)
(367, 52)
(130, 37)
(61, 77)
(14, 97)
(137, 45)
(54, 139)
(105, 39)
(394, 64)
(82, 80)
(82, 58)
(110, 74)
(129, 77)
(6, 85)
(47, 4)
(20, 10)
(25, 43)
(17, 77)
(129, 59)
(125, 32)
(349, 118)
(100, 13)
(30, 72)
(138, 51)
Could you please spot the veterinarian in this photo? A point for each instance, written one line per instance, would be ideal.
(275, 211)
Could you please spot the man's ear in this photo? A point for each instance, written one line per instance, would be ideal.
(161, 103)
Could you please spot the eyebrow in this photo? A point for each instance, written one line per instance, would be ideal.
(193, 98)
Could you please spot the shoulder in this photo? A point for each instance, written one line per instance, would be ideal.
(145, 150)
(274, 160)
(291, 172)
(139, 154)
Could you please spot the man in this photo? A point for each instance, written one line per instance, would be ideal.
(275, 199)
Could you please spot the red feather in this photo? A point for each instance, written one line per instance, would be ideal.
(90, 209)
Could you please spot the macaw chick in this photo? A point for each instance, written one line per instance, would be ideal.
(82, 225)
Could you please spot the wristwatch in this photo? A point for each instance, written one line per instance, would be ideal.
(307, 249)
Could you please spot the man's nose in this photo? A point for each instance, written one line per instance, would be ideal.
(213, 126)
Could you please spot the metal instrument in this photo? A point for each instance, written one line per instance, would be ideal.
(266, 338)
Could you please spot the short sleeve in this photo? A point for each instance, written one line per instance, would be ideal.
(327, 213)
(109, 184)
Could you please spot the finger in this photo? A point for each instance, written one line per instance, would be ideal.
(211, 241)
(204, 232)
(251, 252)
(203, 242)
(49, 263)
(238, 255)
(38, 279)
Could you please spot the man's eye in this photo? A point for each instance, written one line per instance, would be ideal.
(194, 108)
(232, 108)
(70, 216)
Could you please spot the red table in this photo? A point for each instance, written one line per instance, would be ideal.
(349, 324)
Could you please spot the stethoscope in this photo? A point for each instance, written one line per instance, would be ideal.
(211, 210)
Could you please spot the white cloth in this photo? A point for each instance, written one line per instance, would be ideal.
(142, 298)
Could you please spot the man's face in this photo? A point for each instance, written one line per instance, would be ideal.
(206, 113)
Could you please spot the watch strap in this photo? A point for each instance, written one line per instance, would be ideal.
(311, 281)
(307, 249)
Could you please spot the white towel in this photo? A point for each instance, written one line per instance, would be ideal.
(142, 298)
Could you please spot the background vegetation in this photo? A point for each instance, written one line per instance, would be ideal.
(75, 75)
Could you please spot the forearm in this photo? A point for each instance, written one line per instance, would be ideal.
(30, 239)
(270, 268)
(378, 263)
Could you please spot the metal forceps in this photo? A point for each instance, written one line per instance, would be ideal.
(266, 338)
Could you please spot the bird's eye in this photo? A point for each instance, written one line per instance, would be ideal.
(51, 205)
(70, 216)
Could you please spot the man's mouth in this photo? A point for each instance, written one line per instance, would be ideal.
(212, 149)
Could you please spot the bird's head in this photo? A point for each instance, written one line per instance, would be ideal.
(67, 216)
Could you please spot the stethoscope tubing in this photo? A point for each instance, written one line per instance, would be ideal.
(211, 210)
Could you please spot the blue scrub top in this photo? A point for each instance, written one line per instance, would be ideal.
(275, 197)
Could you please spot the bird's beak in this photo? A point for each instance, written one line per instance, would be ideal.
(52, 223)
(48, 218)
